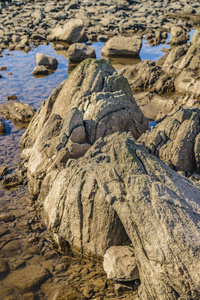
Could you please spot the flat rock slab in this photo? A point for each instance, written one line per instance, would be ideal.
(27, 278)
(122, 46)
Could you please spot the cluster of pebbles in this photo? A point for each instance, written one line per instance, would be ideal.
(30, 22)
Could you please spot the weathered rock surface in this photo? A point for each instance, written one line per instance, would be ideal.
(143, 75)
(160, 212)
(158, 207)
(120, 263)
(78, 52)
(93, 102)
(122, 46)
(17, 111)
(178, 36)
(175, 140)
(46, 60)
(72, 32)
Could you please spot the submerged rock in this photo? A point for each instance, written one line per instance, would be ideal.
(17, 111)
(7, 217)
(123, 46)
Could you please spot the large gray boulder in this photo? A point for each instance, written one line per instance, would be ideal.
(175, 140)
(122, 46)
(72, 32)
(93, 102)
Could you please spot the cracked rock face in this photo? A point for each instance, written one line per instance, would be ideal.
(175, 140)
(118, 186)
(93, 102)
(160, 212)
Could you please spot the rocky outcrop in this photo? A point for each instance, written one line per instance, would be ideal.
(93, 102)
(122, 46)
(175, 140)
(158, 208)
(78, 52)
(72, 32)
(17, 111)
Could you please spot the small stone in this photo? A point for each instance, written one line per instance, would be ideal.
(69, 292)
(2, 131)
(4, 267)
(11, 181)
(3, 68)
(11, 97)
(3, 170)
(7, 217)
(78, 135)
(120, 263)
(46, 61)
(40, 71)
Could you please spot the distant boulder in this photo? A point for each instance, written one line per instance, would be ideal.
(123, 46)
(46, 61)
(72, 32)
(78, 52)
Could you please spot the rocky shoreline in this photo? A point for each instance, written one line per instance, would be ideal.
(120, 203)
